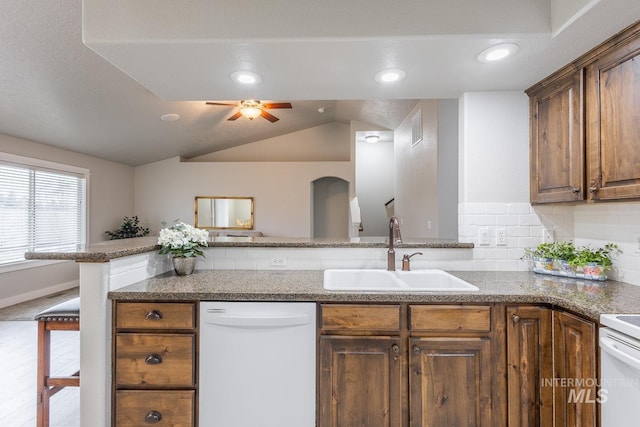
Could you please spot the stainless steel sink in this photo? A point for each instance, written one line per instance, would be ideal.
(397, 281)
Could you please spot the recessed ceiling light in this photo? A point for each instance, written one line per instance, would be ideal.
(498, 52)
(372, 139)
(390, 76)
(245, 77)
(169, 117)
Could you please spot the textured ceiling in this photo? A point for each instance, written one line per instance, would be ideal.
(162, 56)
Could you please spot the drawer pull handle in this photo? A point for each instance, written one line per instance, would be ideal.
(153, 359)
(395, 348)
(153, 417)
(153, 315)
(515, 318)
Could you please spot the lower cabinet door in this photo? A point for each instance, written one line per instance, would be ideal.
(360, 382)
(529, 366)
(450, 382)
(575, 349)
(165, 408)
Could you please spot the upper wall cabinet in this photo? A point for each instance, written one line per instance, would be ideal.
(613, 118)
(557, 147)
(584, 127)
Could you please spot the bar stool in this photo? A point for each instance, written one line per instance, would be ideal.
(60, 317)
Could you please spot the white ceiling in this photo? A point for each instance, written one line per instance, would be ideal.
(161, 56)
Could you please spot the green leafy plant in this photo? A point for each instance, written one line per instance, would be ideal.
(600, 256)
(543, 250)
(562, 250)
(130, 228)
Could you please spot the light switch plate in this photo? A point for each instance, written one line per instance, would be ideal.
(548, 236)
(483, 236)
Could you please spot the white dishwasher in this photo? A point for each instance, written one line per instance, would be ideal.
(257, 364)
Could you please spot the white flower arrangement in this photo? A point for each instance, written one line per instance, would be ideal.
(182, 240)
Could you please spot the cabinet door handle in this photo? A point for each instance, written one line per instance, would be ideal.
(575, 190)
(153, 417)
(153, 359)
(515, 318)
(395, 348)
(593, 189)
(153, 315)
(416, 349)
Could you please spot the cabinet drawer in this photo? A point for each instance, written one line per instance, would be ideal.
(155, 359)
(153, 315)
(139, 408)
(460, 318)
(360, 317)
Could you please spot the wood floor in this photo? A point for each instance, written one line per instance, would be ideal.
(18, 362)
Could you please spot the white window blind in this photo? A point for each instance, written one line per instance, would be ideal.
(40, 209)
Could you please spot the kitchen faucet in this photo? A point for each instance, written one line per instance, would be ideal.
(394, 236)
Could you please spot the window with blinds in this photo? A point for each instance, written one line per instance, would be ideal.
(40, 209)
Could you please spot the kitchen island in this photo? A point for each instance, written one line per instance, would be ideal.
(132, 270)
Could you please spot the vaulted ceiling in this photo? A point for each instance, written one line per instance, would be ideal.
(145, 58)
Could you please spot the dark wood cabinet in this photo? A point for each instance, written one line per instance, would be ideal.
(154, 357)
(584, 127)
(556, 141)
(450, 382)
(437, 369)
(575, 371)
(530, 366)
(360, 381)
(613, 132)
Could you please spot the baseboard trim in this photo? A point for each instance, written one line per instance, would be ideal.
(17, 299)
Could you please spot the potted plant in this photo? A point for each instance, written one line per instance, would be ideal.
(593, 263)
(562, 253)
(184, 243)
(541, 256)
(130, 228)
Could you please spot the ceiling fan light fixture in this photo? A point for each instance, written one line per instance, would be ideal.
(250, 111)
(372, 139)
(390, 76)
(246, 77)
(498, 52)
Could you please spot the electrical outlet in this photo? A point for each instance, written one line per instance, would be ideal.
(484, 236)
(548, 236)
(501, 237)
(278, 261)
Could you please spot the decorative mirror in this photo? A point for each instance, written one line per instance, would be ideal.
(231, 213)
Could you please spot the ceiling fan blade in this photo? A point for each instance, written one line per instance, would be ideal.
(277, 105)
(221, 103)
(236, 116)
(269, 116)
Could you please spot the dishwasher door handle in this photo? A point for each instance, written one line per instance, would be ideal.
(280, 321)
(609, 346)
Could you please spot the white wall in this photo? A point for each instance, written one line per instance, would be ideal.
(328, 142)
(166, 190)
(416, 186)
(111, 190)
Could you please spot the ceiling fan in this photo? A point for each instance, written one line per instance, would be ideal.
(253, 108)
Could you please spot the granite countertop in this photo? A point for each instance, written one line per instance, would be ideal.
(106, 251)
(584, 297)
